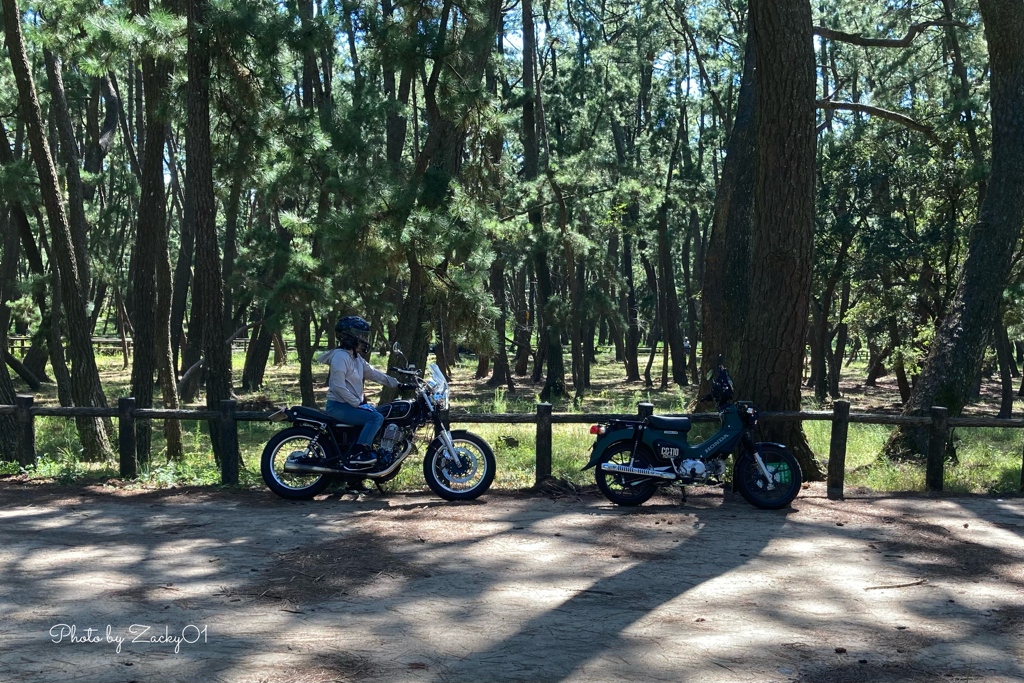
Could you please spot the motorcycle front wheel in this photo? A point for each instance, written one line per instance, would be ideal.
(465, 480)
(785, 475)
(278, 449)
(623, 488)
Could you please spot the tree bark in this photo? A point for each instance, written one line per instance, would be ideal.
(773, 339)
(73, 177)
(152, 223)
(208, 287)
(85, 381)
(8, 285)
(958, 349)
(725, 299)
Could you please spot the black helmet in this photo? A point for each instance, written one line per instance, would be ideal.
(353, 333)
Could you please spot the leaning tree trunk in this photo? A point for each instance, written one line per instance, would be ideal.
(958, 349)
(85, 380)
(724, 302)
(772, 342)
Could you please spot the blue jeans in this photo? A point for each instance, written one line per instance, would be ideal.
(365, 415)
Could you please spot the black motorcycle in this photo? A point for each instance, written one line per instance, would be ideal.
(301, 460)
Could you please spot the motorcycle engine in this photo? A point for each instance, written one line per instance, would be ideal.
(390, 437)
(692, 468)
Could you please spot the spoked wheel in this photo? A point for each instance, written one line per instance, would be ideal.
(622, 488)
(784, 483)
(294, 441)
(466, 479)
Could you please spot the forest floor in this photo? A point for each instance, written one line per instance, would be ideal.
(513, 587)
(989, 459)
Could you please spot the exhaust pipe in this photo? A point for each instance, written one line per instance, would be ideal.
(644, 471)
(296, 468)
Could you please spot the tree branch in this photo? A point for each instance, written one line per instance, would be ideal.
(199, 363)
(881, 113)
(905, 41)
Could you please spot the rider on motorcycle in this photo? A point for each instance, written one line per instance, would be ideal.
(345, 400)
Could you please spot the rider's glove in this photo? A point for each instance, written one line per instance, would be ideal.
(406, 387)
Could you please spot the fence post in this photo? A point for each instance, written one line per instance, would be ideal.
(837, 450)
(936, 449)
(543, 441)
(26, 429)
(644, 409)
(126, 446)
(229, 456)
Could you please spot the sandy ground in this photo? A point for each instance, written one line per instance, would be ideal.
(512, 588)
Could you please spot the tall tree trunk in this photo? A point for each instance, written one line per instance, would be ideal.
(632, 337)
(183, 266)
(8, 285)
(1005, 356)
(85, 381)
(726, 295)
(149, 236)
(523, 323)
(73, 177)
(208, 287)
(958, 348)
(302, 318)
(502, 373)
(772, 343)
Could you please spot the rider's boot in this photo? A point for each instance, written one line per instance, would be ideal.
(362, 456)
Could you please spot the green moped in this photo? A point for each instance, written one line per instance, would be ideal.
(632, 459)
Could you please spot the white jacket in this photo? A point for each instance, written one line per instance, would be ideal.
(345, 382)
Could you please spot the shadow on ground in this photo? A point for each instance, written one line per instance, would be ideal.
(514, 588)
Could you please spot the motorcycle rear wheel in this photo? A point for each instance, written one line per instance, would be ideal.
(277, 450)
(785, 473)
(625, 489)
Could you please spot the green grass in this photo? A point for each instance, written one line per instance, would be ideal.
(989, 459)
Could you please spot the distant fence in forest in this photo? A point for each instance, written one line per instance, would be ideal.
(228, 416)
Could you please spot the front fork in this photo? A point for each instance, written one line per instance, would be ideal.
(449, 446)
(751, 447)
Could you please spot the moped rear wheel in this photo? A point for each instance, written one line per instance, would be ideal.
(622, 488)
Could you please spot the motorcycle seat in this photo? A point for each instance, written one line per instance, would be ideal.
(317, 415)
(678, 424)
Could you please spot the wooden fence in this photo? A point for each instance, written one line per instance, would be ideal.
(227, 418)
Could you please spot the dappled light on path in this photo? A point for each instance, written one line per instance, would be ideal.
(515, 588)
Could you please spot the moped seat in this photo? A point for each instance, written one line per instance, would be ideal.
(678, 424)
(316, 415)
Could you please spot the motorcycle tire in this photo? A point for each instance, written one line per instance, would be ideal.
(639, 488)
(434, 467)
(276, 481)
(785, 472)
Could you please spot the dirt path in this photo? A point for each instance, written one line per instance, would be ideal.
(514, 588)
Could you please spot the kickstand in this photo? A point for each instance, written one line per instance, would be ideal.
(682, 490)
(377, 484)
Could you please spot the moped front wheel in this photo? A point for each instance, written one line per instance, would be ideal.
(623, 488)
(778, 489)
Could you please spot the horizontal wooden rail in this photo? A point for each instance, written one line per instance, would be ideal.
(224, 430)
